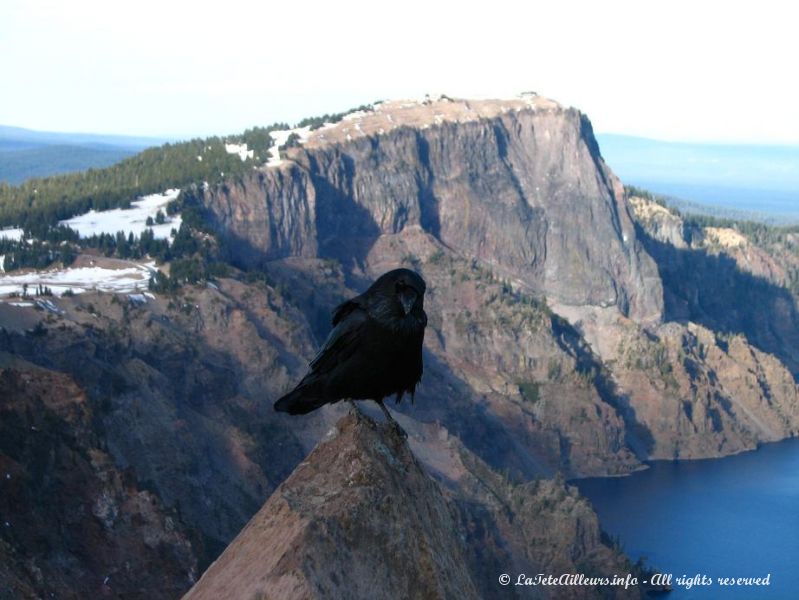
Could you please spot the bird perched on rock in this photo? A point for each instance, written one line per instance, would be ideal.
(374, 350)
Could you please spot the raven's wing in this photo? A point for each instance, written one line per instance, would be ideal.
(343, 341)
(346, 307)
(341, 345)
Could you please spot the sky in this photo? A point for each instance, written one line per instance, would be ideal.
(690, 71)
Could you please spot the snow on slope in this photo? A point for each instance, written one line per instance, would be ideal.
(130, 220)
(11, 234)
(240, 149)
(79, 280)
(279, 138)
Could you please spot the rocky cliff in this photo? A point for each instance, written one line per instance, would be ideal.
(726, 280)
(518, 185)
(514, 195)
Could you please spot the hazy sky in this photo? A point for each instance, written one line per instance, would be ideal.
(672, 70)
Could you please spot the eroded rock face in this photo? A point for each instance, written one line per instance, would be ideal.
(523, 189)
(361, 519)
(700, 394)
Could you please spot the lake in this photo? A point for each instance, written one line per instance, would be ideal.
(731, 517)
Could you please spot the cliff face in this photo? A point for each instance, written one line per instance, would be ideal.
(360, 518)
(501, 204)
(720, 278)
(520, 186)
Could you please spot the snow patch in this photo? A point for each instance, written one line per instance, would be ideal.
(279, 138)
(129, 220)
(13, 234)
(240, 149)
(48, 306)
(358, 114)
(130, 280)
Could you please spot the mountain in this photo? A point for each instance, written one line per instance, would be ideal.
(25, 153)
(518, 192)
(573, 331)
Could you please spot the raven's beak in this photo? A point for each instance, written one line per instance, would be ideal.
(407, 298)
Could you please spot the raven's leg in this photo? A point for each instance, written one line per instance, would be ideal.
(390, 419)
(385, 411)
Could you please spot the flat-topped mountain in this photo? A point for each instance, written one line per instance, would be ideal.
(384, 117)
(519, 185)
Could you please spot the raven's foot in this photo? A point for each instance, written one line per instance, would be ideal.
(400, 431)
(391, 421)
(354, 406)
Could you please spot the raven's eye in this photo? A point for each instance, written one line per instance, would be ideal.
(399, 286)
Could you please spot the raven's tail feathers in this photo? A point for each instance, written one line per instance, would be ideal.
(300, 401)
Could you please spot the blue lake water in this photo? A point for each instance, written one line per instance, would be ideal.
(731, 517)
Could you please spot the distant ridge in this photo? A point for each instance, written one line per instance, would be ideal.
(25, 153)
(32, 137)
(759, 182)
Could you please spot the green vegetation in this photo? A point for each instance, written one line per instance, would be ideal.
(530, 390)
(38, 205)
(197, 252)
(631, 190)
(317, 122)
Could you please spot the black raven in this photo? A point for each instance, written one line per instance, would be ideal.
(374, 350)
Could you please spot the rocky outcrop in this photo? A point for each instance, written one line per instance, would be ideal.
(360, 518)
(72, 524)
(357, 519)
(665, 226)
(659, 222)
